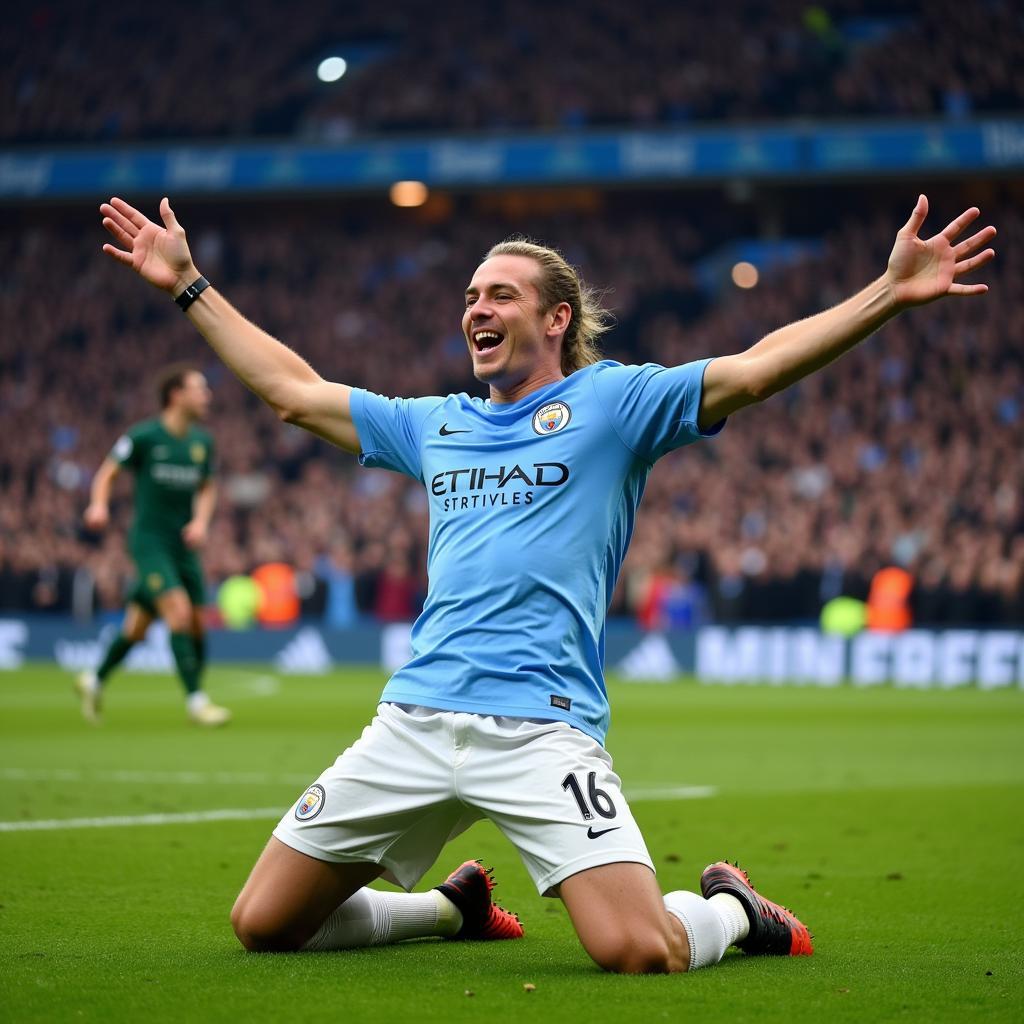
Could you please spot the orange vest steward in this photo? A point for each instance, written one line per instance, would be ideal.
(279, 602)
(889, 600)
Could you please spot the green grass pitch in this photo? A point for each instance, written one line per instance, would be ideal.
(891, 821)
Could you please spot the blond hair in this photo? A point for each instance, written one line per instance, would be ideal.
(560, 282)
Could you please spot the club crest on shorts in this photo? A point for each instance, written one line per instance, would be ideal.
(312, 802)
(551, 418)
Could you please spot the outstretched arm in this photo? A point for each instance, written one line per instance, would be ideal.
(919, 271)
(284, 380)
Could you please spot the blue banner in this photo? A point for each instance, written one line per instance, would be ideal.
(774, 151)
(990, 659)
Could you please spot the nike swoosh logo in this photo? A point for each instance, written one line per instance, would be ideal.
(445, 432)
(591, 834)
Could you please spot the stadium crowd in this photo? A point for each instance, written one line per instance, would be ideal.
(246, 70)
(907, 452)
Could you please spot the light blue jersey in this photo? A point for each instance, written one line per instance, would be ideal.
(532, 507)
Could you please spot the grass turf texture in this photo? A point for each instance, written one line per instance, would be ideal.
(890, 821)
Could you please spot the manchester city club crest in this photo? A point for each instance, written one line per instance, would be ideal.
(312, 802)
(551, 418)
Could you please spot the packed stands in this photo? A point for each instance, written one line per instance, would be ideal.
(238, 71)
(907, 452)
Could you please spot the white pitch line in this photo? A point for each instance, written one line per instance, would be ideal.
(252, 814)
(192, 817)
(250, 685)
(151, 777)
(650, 792)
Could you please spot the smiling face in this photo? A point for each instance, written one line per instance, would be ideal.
(514, 344)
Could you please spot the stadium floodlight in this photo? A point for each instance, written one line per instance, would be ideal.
(409, 193)
(331, 69)
(745, 275)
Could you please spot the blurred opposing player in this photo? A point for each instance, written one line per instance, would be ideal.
(171, 457)
(502, 711)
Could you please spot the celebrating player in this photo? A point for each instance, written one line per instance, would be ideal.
(172, 460)
(502, 711)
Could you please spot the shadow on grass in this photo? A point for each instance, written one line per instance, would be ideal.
(539, 959)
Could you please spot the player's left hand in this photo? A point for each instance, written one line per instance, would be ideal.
(193, 534)
(922, 270)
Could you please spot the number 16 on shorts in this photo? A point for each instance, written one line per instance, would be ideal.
(594, 798)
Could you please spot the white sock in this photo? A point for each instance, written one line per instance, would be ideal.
(371, 918)
(734, 917)
(705, 927)
(196, 701)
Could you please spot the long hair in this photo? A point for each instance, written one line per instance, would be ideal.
(561, 282)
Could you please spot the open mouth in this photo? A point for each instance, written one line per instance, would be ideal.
(486, 340)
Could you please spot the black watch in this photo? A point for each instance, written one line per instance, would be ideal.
(191, 293)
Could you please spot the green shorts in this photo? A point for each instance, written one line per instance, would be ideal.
(161, 568)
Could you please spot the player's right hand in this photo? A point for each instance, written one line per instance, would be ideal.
(158, 253)
(96, 517)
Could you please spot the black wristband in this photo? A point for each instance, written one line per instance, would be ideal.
(191, 293)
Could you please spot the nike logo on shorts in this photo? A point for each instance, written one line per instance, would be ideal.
(591, 834)
(445, 432)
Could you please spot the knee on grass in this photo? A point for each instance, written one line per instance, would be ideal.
(633, 954)
(262, 933)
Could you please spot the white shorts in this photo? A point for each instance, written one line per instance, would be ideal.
(417, 777)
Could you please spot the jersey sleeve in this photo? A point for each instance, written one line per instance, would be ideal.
(390, 430)
(654, 408)
(129, 448)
